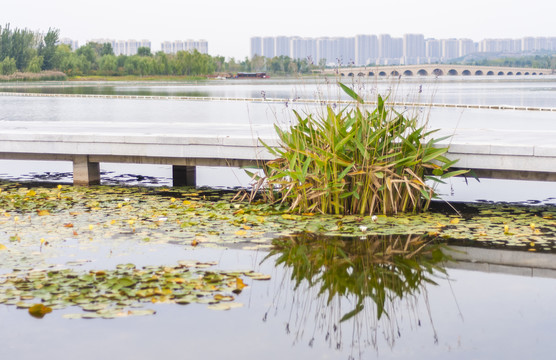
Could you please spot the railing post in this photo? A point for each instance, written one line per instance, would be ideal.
(184, 175)
(85, 172)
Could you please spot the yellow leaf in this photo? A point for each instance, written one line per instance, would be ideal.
(454, 221)
(39, 310)
(31, 193)
(241, 233)
(186, 202)
(112, 222)
(173, 199)
(3, 247)
(246, 227)
(506, 229)
(91, 227)
(532, 225)
(240, 284)
(59, 187)
(43, 212)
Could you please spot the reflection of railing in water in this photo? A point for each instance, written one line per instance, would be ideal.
(512, 262)
(283, 101)
(377, 275)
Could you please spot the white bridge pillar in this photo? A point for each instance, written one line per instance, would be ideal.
(85, 172)
(184, 175)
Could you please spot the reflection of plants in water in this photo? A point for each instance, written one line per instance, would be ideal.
(373, 274)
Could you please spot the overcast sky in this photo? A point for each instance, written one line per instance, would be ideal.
(228, 25)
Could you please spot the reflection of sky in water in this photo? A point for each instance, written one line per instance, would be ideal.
(477, 315)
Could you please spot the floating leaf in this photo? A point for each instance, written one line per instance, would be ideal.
(39, 310)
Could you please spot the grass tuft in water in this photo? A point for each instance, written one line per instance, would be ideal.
(356, 161)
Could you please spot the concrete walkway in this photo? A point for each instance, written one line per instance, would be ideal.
(490, 153)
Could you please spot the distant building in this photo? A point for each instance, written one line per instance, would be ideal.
(73, 44)
(362, 50)
(124, 47)
(269, 47)
(413, 49)
(256, 46)
(366, 50)
(173, 47)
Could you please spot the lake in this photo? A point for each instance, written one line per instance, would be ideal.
(481, 313)
(223, 117)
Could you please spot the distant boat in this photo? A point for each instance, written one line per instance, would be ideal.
(251, 75)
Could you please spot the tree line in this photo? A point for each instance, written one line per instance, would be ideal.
(547, 61)
(22, 50)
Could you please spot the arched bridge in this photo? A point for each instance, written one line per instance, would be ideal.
(436, 70)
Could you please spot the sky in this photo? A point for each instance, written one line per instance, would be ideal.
(228, 25)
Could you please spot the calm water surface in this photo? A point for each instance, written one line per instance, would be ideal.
(474, 315)
(471, 315)
(255, 119)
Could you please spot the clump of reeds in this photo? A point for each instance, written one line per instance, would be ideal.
(356, 161)
(29, 76)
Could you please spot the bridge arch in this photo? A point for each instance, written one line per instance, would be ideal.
(408, 73)
(438, 72)
(342, 74)
(395, 73)
(510, 73)
(534, 73)
(382, 73)
(371, 73)
(422, 72)
(479, 72)
(526, 73)
(350, 74)
(466, 72)
(490, 73)
(518, 73)
(360, 74)
(500, 73)
(453, 72)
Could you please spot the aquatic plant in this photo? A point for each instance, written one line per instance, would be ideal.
(356, 161)
(381, 268)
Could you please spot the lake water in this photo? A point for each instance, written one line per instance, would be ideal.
(473, 315)
(256, 119)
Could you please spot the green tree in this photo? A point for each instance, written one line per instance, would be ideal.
(144, 51)
(108, 65)
(9, 66)
(47, 49)
(106, 49)
(35, 65)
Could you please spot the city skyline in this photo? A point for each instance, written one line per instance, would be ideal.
(384, 49)
(227, 27)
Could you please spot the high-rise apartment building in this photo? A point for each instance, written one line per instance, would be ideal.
(283, 46)
(173, 47)
(413, 48)
(124, 47)
(362, 50)
(433, 50)
(450, 49)
(366, 50)
(269, 47)
(256, 46)
(73, 44)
